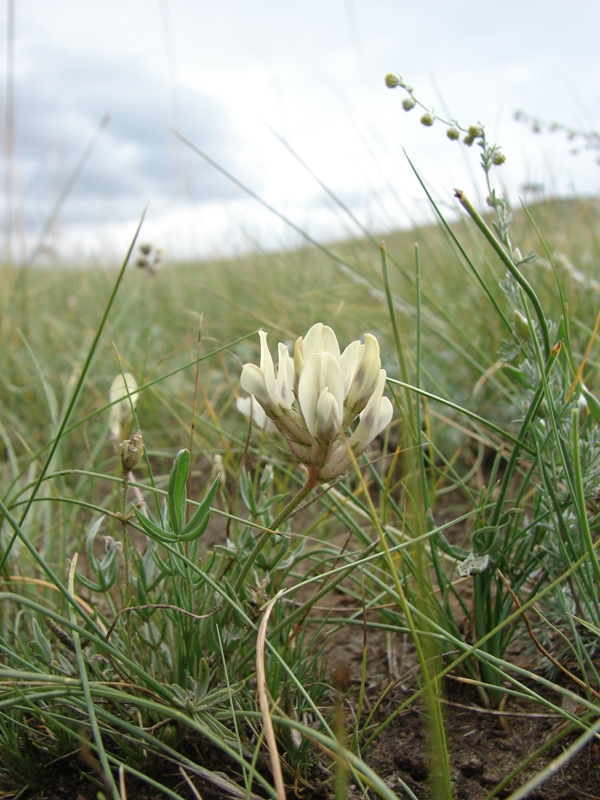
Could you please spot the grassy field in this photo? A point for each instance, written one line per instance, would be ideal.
(157, 651)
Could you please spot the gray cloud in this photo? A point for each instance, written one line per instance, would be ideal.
(302, 69)
(60, 103)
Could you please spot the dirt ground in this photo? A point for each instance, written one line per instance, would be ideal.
(484, 745)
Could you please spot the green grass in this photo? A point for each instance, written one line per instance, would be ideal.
(490, 463)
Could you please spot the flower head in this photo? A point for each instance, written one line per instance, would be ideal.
(313, 398)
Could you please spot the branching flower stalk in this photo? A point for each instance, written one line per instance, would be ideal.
(312, 399)
(491, 156)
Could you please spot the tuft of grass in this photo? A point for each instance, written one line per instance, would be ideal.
(131, 602)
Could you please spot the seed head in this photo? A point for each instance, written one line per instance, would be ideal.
(427, 119)
(131, 452)
(408, 103)
(392, 80)
(453, 133)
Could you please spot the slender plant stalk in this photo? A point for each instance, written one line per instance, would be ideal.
(108, 776)
(311, 483)
(581, 509)
(76, 390)
(507, 261)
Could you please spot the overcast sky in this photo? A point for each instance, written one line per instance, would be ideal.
(227, 74)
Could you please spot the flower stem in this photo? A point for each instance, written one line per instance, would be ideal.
(310, 484)
(125, 532)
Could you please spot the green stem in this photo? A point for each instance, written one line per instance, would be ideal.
(310, 484)
(579, 491)
(506, 260)
(126, 558)
(107, 772)
(520, 442)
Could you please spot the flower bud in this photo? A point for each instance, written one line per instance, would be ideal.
(427, 119)
(475, 131)
(498, 158)
(131, 452)
(453, 133)
(408, 103)
(392, 80)
(582, 403)
(468, 140)
(516, 256)
(145, 248)
(218, 470)
(521, 325)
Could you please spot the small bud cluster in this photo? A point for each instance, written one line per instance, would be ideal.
(583, 140)
(392, 80)
(313, 397)
(150, 258)
(474, 133)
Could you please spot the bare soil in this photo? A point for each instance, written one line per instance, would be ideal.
(484, 745)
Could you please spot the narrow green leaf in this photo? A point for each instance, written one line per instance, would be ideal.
(593, 403)
(203, 679)
(152, 529)
(197, 525)
(41, 643)
(176, 493)
(247, 492)
(89, 544)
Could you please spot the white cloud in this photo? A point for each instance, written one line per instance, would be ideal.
(221, 73)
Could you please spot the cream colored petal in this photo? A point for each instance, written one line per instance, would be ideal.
(365, 378)
(376, 416)
(251, 408)
(122, 402)
(320, 339)
(298, 357)
(118, 389)
(267, 368)
(328, 419)
(285, 378)
(321, 371)
(252, 380)
(349, 361)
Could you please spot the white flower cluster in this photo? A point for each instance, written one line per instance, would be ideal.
(315, 396)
